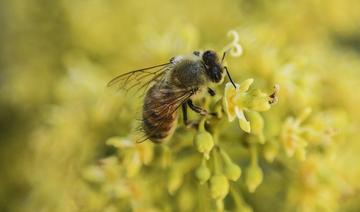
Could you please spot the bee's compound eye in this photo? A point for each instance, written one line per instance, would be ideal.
(197, 53)
(215, 73)
(209, 57)
(207, 54)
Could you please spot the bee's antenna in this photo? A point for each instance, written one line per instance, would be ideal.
(228, 73)
(224, 54)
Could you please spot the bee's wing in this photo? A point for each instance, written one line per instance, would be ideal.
(168, 105)
(140, 78)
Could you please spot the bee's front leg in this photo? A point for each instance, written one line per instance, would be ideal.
(211, 92)
(198, 109)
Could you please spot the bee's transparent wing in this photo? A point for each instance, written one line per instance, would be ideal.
(167, 106)
(141, 78)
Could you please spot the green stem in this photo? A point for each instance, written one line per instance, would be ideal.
(217, 166)
(254, 154)
(215, 136)
(225, 156)
(239, 202)
(188, 163)
(202, 124)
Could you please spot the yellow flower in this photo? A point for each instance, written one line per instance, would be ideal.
(292, 135)
(232, 109)
(240, 100)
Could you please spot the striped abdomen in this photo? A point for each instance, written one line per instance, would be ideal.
(159, 113)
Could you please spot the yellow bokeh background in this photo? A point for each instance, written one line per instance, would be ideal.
(56, 113)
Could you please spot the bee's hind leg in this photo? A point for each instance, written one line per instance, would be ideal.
(184, 112)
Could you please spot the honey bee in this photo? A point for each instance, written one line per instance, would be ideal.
(170, 86)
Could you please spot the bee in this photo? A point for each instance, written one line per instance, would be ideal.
(170, 86)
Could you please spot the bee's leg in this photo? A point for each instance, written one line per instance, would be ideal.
(187, 122)
(198, 109)
(211, 92)
(184, 112)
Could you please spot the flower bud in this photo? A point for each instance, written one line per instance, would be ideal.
(254, 177)
(232, 171)
(271, 149)
(203, 173)
(219, 186)
(204, 142)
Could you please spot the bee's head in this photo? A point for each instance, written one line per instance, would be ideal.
(210, 58)
(213, 68)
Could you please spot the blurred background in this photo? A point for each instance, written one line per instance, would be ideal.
(55, 117)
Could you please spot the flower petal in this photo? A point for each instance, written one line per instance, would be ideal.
(244, 124)
(229, 101)
(256, 123)
(245, 85)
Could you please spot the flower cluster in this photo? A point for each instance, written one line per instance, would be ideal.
(245, 105)
(67, 144)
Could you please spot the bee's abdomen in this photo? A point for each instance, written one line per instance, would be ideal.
(159, 117)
